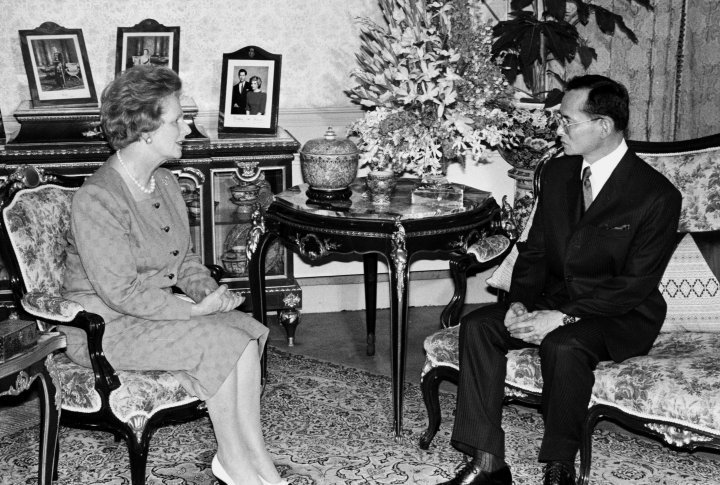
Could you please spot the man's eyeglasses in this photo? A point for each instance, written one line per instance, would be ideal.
(563, 123)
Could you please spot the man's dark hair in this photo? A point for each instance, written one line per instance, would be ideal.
(605, 98)
(242, 70)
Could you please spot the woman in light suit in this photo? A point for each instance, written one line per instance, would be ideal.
(130, 244)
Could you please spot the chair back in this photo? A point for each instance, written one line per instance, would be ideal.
(34, 224)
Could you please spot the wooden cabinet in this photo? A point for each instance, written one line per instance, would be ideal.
(221, 180)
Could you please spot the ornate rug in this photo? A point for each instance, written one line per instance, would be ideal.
(330, 424)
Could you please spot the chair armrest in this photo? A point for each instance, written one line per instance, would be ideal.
(217, 272)
(490, 249)
(51, 307)
(57, 309)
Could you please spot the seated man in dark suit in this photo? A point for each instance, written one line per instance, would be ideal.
(584, 287)
(239, 94)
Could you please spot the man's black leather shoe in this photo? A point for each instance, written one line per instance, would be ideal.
(471, 474)
(559, 473)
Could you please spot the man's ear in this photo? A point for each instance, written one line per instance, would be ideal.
(607, 126)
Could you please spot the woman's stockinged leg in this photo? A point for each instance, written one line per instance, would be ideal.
(248, 402)
(235, 412)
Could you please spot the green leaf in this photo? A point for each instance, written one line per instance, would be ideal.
(556, 8)
(583, 11)
(587, 55)
(553, 98)
(520, 4)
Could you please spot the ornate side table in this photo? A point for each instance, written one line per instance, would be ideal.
(18, 374)
(399, 231)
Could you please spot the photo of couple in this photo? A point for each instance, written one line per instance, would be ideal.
(248, 97)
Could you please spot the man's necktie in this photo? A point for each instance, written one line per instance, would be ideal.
(587, 189)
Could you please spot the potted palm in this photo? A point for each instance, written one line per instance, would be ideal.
(541, 38)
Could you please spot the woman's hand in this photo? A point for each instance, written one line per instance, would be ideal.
(218, 301)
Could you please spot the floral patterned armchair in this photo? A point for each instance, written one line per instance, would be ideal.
(34, 221)
(671, 394)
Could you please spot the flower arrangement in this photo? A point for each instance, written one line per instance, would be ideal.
(532, 135)
(433, 97)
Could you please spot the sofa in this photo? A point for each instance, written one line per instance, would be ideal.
(673, 393)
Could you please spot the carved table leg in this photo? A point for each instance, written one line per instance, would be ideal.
(289, 318)
(398, 261)
(258, 242)
(370, 261)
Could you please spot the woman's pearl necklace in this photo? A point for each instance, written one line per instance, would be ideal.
(146, 190)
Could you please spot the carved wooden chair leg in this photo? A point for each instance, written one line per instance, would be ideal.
(593, 416)
(431, 395)
(459, 264)
(138, 456)
(57, 458)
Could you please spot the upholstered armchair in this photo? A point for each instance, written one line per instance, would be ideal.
(34, 221)
(673, 393)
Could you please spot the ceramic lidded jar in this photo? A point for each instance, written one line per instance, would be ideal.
(329, 165)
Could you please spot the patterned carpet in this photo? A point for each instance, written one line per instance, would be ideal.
(329, 424)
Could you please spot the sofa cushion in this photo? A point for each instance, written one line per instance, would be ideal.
(691, 291)
(678, 381)
(694, 173)
(141, 394)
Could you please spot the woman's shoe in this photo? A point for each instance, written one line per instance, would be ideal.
(220, 472)
(265, 482)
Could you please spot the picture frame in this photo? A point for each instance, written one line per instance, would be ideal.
(246, 111)
(57, 67)
(147, 42)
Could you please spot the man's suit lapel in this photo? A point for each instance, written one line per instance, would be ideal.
(574, 196)
(618, 182)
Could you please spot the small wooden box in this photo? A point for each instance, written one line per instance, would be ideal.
(16, 336)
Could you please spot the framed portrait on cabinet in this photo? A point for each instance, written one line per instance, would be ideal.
(148, 42)
(57, 67)
(249, 92)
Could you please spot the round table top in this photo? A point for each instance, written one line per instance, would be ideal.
(360, 206)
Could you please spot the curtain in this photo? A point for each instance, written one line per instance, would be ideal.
(674, 93)
(699, 97)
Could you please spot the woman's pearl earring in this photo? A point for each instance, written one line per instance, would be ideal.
(148, 140)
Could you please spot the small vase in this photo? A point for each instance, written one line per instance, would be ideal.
(381, 185)
(523, 182)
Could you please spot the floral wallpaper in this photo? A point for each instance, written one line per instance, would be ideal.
(317, 39)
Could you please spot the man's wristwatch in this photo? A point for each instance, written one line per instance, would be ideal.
(568, 319)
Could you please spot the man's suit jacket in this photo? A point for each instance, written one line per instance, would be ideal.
(239, 98)
(604, 263)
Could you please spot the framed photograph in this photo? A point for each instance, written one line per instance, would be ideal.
(249, 92)
(147, 43)
(57, 66)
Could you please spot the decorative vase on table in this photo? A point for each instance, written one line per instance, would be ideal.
(329, 165)
(381, 186)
